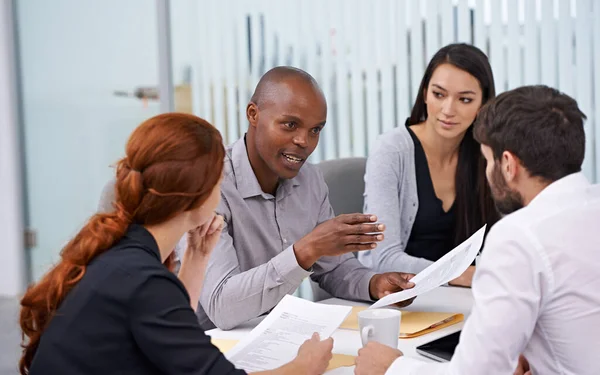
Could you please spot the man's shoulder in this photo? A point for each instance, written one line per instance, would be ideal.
(506, 224)
(514, 224)
(551, 210)
(528, 225)
(312, 182)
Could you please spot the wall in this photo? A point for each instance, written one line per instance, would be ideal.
(12, 275)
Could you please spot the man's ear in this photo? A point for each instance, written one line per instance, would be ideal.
(252, 114)
(511, 166)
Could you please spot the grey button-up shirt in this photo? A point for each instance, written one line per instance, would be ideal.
(254, 266)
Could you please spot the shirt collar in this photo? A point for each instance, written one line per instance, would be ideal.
(566, 184)
(246, 181)
(139, 235)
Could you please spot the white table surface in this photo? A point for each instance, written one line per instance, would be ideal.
(442, 299)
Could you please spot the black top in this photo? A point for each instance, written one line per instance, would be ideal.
(432, 233)
(128, 315)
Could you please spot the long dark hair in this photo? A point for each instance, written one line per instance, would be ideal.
(173, 162)
(474, 203)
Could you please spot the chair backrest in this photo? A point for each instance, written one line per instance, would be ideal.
(345, 179)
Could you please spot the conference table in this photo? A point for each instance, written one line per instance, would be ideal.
(441, 299)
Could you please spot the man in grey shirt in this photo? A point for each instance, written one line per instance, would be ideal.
(280, 227)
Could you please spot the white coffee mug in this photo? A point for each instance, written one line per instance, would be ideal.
(380, 325)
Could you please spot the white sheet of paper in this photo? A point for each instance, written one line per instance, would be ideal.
(276, 340)
(447, 268)
(341, 371)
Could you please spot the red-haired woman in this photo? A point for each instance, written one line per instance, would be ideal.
(110, 305)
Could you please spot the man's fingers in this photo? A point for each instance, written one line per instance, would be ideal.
(405, 303)
(363, 238)
(359, 246)
(364, 228)
(522, 366)
(357, 218)
(401, 280)
(315, 336)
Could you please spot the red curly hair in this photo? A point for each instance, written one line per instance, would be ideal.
(173, 162)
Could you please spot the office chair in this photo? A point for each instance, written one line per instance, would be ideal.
(345, 179)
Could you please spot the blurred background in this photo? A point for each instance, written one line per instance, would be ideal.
(77, 76)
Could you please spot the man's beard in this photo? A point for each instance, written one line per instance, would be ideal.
(507, 200)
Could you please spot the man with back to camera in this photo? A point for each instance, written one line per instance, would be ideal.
(537, 291)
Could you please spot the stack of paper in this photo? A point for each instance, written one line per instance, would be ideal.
(276, 340)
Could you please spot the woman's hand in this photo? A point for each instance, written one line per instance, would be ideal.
(200, 243)
(312, 359)
(202, 240)
(314, 355)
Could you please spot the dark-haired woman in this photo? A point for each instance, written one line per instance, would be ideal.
(110, 305)
(426, 180)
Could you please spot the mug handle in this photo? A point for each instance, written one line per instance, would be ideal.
(365, 333)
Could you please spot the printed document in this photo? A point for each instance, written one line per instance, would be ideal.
(276, 340)
(447, 268)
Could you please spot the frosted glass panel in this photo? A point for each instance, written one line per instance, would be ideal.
(74, 55)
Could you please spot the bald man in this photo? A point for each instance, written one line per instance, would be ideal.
(280, 227)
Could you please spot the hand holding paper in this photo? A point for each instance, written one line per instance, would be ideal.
(338, 361)
(387, 283)
(277, 339)
(449, 267)
(314, 355)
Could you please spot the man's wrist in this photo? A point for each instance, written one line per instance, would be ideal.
(304, 255)
(373, 287)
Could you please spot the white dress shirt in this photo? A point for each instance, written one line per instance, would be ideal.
(536, 291)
